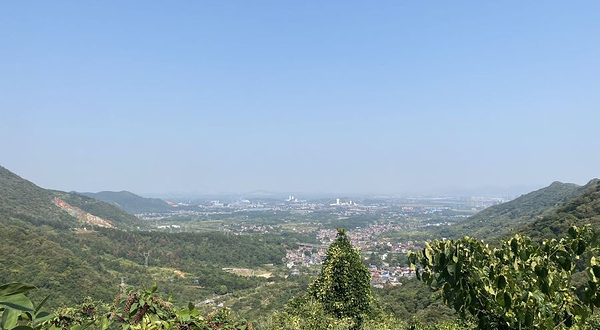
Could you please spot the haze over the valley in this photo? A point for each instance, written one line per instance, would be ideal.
(386, 99)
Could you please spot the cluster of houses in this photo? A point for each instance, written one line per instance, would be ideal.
(389, 276)
(306, 255)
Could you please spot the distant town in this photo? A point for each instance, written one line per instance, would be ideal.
(375, 225)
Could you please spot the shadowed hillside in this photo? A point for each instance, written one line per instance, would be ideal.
(131, 202)
(580, 211)
(499, 220)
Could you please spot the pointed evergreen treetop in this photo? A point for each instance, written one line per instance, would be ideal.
(344, 284)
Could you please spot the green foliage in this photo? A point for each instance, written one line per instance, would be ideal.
(38, 245)
(29, 255)
(582, 210)
(344, 284)
(17, 310)
(67, 263)
(499, 220)
(24, 201)
(307, 313)
(414, 299)
(143, 309)
(519, 285)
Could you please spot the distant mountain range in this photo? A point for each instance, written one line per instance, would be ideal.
(131, 202)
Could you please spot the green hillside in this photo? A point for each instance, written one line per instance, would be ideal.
(23, 200)
(131, 202)
(30, 255)
(101, 209)
(582, 210)
(498, 220)
(44, 245)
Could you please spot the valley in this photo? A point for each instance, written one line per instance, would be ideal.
(251, 257)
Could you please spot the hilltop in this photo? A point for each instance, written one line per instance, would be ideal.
(498, 220)
(585, 209)
(22, 200)
(131, 202)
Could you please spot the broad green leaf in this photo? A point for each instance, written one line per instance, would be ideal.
(10, 318)
(42, 317)
(40, 305)
(573, 232)
(105, 323)
(17, 301)
(14, 288)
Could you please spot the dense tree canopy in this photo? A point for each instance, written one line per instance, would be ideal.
(344, 284)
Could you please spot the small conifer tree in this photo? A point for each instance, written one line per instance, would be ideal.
(344, 284)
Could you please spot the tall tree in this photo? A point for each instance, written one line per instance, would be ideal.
(344, 284)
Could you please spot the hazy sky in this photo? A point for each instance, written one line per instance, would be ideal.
(313, 96)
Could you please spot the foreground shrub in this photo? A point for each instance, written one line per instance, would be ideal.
(520, 285)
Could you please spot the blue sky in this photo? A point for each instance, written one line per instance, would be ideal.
(309, 96)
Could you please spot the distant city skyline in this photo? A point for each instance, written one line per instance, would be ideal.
(311, 97)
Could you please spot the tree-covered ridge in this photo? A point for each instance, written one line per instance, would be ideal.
(100, 209)
(498, 220)
(584, 209)
(131, 202)
(45, 246)
(23, 200)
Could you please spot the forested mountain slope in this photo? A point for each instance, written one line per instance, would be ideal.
(23, 200)
(44, 242)
(30, 255)
(101, 209)
(131, 202)
(580, 211)
(498, 220)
